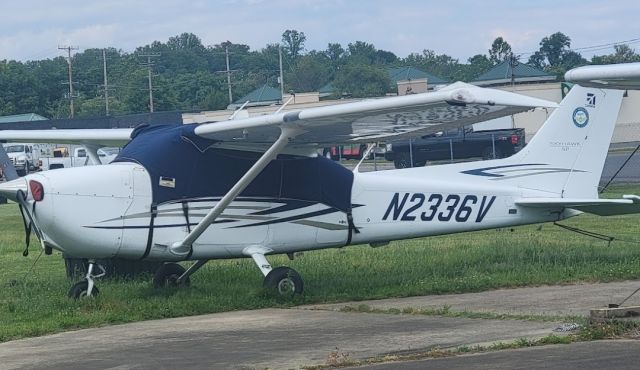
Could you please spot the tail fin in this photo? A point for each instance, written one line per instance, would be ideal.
(567, 154)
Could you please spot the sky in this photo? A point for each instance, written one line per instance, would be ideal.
(33, 29)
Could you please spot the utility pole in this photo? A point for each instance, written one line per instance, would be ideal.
(226, 53)
(513, 63)
(281, 74)
(71, 96)
(106, 85)
(228, 71)
(149, 64)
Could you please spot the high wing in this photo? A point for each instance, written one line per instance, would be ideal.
(358, 122)
(602, 207)
(100, 137)
(378, 119)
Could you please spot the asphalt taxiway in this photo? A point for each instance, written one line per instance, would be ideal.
(325, 334)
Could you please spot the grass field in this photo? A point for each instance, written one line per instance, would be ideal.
(34, 302)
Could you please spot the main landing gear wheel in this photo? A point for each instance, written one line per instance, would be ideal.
(167, 276)
(81, 289)
(285, 281)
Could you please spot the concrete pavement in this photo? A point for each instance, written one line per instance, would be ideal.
(564, 300)
(318, 334)
(619, 355)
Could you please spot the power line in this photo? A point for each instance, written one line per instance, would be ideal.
(593, 48)
(631, 41)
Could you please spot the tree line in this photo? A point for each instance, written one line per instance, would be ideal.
(190, 76)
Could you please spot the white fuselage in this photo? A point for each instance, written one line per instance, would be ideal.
(104, 211)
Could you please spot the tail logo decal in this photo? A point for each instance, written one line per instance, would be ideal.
(581, 116)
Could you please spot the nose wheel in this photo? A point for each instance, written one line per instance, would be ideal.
(87, 287)
(81, 290)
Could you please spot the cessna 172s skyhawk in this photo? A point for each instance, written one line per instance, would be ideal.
(251, 187)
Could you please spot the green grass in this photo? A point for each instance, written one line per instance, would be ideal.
(35, 303)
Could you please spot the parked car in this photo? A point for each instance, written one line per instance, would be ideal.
(352, 151)
(460, 143)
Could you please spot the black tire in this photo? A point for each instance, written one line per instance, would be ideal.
(79, 290)
(402, 161)
(487, 153)
(284, 281)
(21, 173)
(167, 276)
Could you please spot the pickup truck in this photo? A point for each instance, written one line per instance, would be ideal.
(79, 158)
(460, 143)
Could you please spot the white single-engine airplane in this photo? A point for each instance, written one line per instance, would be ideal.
(251, 187)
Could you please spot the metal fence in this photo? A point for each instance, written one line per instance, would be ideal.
(622, 165)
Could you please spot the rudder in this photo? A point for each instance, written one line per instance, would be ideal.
(567, 154)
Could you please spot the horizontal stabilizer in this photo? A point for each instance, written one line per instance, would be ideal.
(602, 207)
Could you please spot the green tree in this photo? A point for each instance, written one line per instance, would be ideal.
(293, 43)
(555, 55)
(361, 80)
(336, 54)
(622, 54)
(361, 52)
(311, 73)
(18, 89)
(478, 64)
(500, 51)
(441, 65)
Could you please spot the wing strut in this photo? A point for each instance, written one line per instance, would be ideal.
(183, 247)
(92, 153)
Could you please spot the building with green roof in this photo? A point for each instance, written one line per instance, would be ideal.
(264, 95)
(411, 73)
(27, 117)
(503, 73)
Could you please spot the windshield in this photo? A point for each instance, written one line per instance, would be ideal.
(14, 148)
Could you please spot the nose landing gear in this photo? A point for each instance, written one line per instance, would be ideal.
(86, 287)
